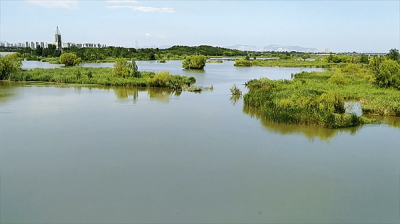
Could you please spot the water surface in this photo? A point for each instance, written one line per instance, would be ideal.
(151, 155)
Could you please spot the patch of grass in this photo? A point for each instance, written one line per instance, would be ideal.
(242, 63)
(313, 98)
(215, 61)
(235, 90)
(102, 76)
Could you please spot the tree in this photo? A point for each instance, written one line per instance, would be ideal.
(9, 64)
(70, 59)
(121, 67)
(364, 58)
(374, 64)
(394, 55)
(134, 69)
(39, 50)
(194, 62)
(305, 56)
(388, 74)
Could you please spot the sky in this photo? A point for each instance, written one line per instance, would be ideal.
(341, 26)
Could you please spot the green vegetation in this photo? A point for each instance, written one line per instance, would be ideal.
(215, 61)
(317, 98)
(386, 71)
(110, 54)
(70, 59)
(310, 131)
(242, 63)
(194, 62)
(235, 90)
(102, 76)
(394, 55)
(9, 65)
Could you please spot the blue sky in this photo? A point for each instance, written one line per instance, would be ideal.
(338, 25)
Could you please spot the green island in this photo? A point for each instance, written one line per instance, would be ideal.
(194, 62)
(317, 98)
(124, 73)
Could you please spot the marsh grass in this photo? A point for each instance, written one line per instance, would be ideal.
(311, 98)
(102, 76)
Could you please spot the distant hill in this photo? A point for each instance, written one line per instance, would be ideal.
(272, 47)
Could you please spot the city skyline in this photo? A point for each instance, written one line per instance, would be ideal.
(361, 26)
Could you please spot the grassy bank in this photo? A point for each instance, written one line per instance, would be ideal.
(102, 76)
(317, 98)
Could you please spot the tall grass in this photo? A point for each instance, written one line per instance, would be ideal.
(102, 76)
(315, 98)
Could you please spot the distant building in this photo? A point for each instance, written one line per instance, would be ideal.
(67, 45)
(57, 43)
(57, 39)
(327, 51)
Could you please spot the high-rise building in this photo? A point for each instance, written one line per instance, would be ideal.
(57, 39)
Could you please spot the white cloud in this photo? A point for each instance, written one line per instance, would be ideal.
(145, 9)
(55, 3)
(148, 35)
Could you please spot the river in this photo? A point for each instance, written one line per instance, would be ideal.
(71, 154)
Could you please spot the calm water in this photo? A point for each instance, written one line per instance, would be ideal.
(137, 155)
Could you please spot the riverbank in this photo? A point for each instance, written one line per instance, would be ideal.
(314, 98)
(103, 76)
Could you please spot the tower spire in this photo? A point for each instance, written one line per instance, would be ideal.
(57, 39)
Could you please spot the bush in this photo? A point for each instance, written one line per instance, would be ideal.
(121, 67)
(194, 62)
(388, 74)
(235, 90)
(338, 78)
(160, 79)
(9, 65)
(70, 59)
(242, 63)
(331, 101)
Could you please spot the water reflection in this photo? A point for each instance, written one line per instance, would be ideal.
(389, 120)
(311, 132)
(235, 98)
(7, 91)
(160, 94)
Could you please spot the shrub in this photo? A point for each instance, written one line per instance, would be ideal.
(338, 78)
(134, 70)
(235, 90)
(194, 62)
(331, 101)
(9, 65)
(242, 63)
(121, 67)
(160, 79)
(70, 59)
(388, 74)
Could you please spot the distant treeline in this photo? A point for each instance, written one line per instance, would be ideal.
(94, 54)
